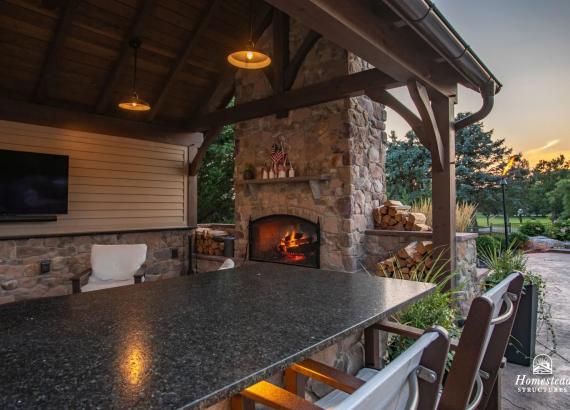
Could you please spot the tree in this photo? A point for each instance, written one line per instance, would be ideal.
(216, 195)
(407, 169)
(560, 197)
(545, 177)
(479, 161)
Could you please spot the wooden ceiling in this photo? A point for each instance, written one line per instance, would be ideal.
(75, 54)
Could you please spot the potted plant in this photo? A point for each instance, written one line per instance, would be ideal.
(532, 307)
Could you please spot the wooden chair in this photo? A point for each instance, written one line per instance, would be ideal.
(111, 266)
(479, 353)
(412, 380)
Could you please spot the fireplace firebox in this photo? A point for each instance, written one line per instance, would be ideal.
(285, 239)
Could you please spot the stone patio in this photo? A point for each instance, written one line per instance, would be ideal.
(554, 268)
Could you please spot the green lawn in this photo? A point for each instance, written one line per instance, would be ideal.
(514, 220)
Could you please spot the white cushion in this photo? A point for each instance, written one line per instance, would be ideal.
(228, 264)
(117, 262)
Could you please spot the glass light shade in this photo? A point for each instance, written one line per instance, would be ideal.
(249, 59)
(134, 103)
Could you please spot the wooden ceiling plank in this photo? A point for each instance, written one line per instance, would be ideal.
(55, 50)
(184, 56)
(334, 89)
(141, 20)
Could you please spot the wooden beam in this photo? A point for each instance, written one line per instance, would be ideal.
(20, 111)
(334, 89)
(55, 50)
(356, 26)
(183, 57)
(422, 102)
(443, 186)
(209, 137)
(141, 20)
(297, 61)
(280, 59)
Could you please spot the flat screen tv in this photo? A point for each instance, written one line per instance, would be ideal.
(33, 184)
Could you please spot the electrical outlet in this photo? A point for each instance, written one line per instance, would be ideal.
(45, 267)
(174, 253)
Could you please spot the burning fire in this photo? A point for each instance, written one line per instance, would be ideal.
(509, 165)
(291, 245)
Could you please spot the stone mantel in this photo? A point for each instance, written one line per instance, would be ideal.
(459, 236)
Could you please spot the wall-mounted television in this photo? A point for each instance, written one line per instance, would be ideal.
(33, 184)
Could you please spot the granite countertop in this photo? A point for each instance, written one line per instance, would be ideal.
(185, 342)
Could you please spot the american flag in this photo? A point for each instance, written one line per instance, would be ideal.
(277, 154)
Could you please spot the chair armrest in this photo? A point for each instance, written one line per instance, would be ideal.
(399, 329)
(275, 397)
(328, 375)
(407, 331)
(139, 274)
(79, 279)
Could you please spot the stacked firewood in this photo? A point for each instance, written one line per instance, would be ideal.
(393, 215)
(210, 241)
(417, 256)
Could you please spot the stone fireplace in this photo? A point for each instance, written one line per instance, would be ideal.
(337, 150)
(285, 239)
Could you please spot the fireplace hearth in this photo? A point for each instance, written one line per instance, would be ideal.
(285, 239)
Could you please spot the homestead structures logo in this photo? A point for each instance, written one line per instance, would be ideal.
(542, 379)
(542, 364)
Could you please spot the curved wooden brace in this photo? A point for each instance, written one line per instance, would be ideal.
(209, 137)
(421, 99)
(384, 97)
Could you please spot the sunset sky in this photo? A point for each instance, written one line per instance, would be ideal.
(527, 46)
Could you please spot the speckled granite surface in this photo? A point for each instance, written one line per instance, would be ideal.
(183, 342)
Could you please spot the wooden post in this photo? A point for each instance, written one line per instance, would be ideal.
(443, 184)
(372, 348)
(192, 203)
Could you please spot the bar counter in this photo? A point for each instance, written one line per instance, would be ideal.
(187, 342)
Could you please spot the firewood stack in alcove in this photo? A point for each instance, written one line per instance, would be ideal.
(210, 241)
(394, 215)
(416, 256)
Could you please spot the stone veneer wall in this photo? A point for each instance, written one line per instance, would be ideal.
(20, 259)
(344, 139)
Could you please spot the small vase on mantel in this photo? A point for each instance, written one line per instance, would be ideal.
(282, 171)
(291, 172)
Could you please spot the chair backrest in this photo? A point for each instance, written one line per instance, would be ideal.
(482, 345)
(401, 384)
(117, 262)
(228, 264)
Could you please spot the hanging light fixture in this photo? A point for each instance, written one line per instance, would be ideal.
(249, 58)
(133, 102)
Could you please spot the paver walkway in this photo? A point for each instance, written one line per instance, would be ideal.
(555, 268)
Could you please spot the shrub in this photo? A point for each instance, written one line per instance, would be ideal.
(533, 228)
(560, 230)
(517, 240)
(487, 242)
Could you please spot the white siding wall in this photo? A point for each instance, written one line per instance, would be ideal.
(115, 183)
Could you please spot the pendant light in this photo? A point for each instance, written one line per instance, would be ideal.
(249, 58)
(133, 102)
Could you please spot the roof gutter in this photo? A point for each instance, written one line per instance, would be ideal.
(426, 19)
